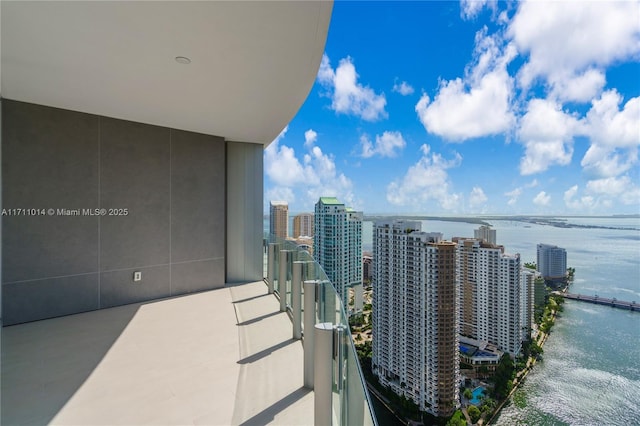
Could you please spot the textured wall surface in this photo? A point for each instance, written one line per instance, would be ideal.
(171, 182)
(244, 212)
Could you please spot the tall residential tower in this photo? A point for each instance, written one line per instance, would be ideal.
(415, 315)
(485, 233)
(552, 261)
(303, 225)
(279, 219)
(493, 301)
(338, 244)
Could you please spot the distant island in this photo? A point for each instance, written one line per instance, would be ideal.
(467, 219)
(556, 221)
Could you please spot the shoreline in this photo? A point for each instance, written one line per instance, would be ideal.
(522, 374)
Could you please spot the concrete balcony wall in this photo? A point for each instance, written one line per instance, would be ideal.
(244, 212)
(171, 182)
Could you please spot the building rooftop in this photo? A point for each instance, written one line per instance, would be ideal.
(330, 200)
(221, 357)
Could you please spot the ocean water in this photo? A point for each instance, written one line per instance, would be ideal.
(590, 373)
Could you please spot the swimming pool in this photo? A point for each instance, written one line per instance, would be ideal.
(478, 393)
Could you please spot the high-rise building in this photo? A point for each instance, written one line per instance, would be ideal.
(338, 244)
(415, 315)
(552, 261)
(528, 282)
(367, 267)
(279, 219)
(303, 225)
(491, 300)
(539, 291)
(485, 233)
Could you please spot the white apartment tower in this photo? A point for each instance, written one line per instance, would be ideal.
(485, 233)
(303, 225)
(279, 219)
(415, 315)
(492, 297)
(527, 281)
(552, 261)
(338, 244)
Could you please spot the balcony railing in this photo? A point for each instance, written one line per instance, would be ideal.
(331, 365)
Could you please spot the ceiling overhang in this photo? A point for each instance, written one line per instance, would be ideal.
(252, 63)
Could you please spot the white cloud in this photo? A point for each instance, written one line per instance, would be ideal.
(532, 184)
(281, 164)
(517, 192)
(614, 133)
(547, 133)
(347, 95)
(425, 181)
(280, 193)
(310, 138)
(387, 145)
(477, 197)
(325, 73)
(470, 8)
(602, 193)
(308, 179)
(579, 87)
(566, 40)
(403, 88)
(610, 186)
(479, 104)
(513, 196)
(585, 202)
(542, 199)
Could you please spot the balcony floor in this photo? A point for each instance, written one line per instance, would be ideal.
(217, 358)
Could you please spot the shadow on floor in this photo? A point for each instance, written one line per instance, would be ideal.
(45, 362)
(268, 415)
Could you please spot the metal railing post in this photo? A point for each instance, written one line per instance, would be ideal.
(285, 255)
(299, 268)
(323, 372)
(309, 323)
(271, 266)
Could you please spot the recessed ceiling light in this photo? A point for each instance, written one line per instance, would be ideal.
(183, 60)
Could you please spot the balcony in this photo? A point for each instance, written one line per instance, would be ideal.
(194, 359)
(224, 356)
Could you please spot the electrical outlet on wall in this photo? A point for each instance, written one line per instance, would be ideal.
(137, 276)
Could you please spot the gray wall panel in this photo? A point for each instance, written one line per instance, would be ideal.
(197, 196)
(172, 183)
(195, 276)
(34, 300)
(50, 161)
(118, 287)
(244, 212)
(134, 165)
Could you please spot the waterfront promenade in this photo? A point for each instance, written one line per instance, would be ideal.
(615, 303)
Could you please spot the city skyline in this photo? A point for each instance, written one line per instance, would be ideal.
(469, 108)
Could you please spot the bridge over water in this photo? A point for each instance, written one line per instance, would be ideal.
(615, 303)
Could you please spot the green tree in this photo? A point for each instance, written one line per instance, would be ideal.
(457, 419)
(535, 350)
(474, 413)
(467, 393)
(503, 377)
(488, 405)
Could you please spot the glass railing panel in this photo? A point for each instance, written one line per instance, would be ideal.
(351, 404)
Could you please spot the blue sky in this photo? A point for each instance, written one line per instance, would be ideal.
(472, 107)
